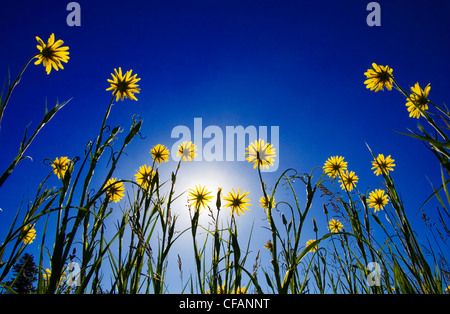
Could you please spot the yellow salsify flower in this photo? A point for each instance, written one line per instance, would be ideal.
(447, 290)
(144, 176)
(377, 199)
(239, 290)
(60, 166)
(160, 153)
(187, 151)
(269, 245)
(379, 77)
(29, 234)
(261, 154)
(383, 165)
(237, 201)
(51, 54)
(335, 165)
(264, 204)
(47, 274)
(114, 190)
(124, 85)
(314, 247)
(223, 290)
(200, 197)
(348, 180)
(335, 226)
(418, 100)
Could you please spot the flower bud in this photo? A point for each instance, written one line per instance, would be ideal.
(325, 210)
(283, 219)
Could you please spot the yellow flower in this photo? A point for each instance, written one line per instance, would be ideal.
(51, 54)
(29, 234)
(383, 165)
(268, 245)
(124, 85)
(335, 165)
(314, 247)
(220, 290)
(418, 100)
(261, 154)
(237, 202)
(160, 153)
(335, 226)
(377, 199)
(187, 151)
(144, 176)
(60, 166)
(200, 197)
(223, 290)
(114, 190)
(264, 204)
(379, 77)
(239, 290)
(47, 274)
(348, 180)
(447, 290)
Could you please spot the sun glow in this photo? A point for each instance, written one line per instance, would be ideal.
(212, 176)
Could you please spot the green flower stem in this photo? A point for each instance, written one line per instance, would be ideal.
(274, 233)
(11, 88)
(194, 225)
(167, 235)
(63, 242)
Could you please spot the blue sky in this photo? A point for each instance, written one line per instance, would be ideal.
(294, 64)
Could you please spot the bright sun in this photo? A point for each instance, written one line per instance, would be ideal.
(211, 176)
